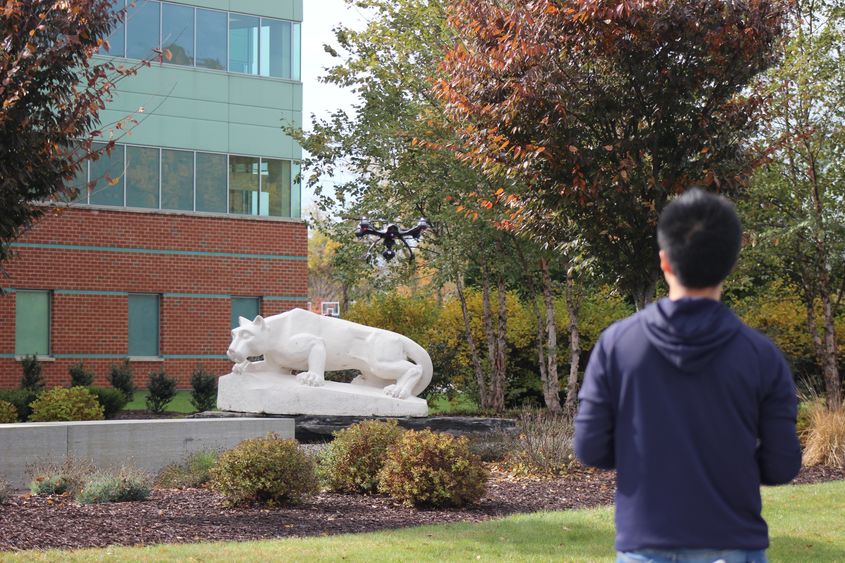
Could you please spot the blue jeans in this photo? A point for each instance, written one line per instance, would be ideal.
(692, 556)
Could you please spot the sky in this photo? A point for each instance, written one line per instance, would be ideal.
(319, 99)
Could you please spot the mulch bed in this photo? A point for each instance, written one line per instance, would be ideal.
(193, 515)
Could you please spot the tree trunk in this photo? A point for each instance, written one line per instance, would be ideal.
(473, 349)
(644, 294)
(551, 385)
(830, 369)
(501, 370)
(573, 308)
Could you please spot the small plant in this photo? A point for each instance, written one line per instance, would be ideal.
(269, 470)
(352, 461)
(33, 379)
(5, 490)
(76, 403)
(111, 399)
(434, 470)
(123, 485)
(69, 476)
(203, 390)
(492, 446)
(8, 412)
(194, 472)
(161, 389)
(79, 376)
(21, 399)
(544, 445)
(120, 377)
(825, 438)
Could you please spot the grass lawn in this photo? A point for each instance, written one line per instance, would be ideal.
(181, 402)
(806, 524)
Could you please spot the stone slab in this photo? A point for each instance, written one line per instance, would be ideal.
(272, 393)
(145, 444)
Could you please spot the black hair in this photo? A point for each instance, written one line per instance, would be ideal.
(701, 234)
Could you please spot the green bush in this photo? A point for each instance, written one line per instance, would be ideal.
(203, 390)
(123, 485)
(352, 461)
(76, 403)
(433, 470)
(111, 399)
(194, 472)
(79, 376)
(120, 377)
(56, 478)
(21, 399)
(160, 391)
(8, 412)
(268, 470)
(33, 379)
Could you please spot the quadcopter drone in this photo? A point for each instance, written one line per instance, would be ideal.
(390, 235)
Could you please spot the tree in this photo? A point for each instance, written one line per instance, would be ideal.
(794, 208)
(599, 111)
(50, 97)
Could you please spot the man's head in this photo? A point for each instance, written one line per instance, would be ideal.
(699, 234)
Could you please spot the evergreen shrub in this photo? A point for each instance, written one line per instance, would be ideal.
(61, 404)
(79, 376)
(203, 390)
(160, 391)
(120, 377)
(432, 469)
(21, 399)
(352, 461)
(112, 400)
(269, 470)
(33, 379)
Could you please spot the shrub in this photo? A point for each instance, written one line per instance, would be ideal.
(194, 472)
(825, 438)
(351, 463)
(203, 390)
(120, 377)
(434, 470)
(123, 485)
(492, 446)
(544, 444)
(33, 379)
(76, 403)
(269, 470)
(5, 490)
(52, 479)
(111, 399)
(8, 412)
(161, 390)
(79, 376)
(21, 399)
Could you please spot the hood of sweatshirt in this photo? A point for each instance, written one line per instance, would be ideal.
(688, 332)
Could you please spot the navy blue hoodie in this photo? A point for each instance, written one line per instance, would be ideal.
(695, 411)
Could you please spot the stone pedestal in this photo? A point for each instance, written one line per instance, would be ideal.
(274, 393)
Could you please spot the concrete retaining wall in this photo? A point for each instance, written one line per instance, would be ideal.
(146, 444)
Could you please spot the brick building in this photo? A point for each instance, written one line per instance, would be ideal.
(194, 219)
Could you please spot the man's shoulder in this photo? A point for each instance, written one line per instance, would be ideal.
(621, 328)
(759, 341)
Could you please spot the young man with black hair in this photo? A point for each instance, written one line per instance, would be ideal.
(693, 409)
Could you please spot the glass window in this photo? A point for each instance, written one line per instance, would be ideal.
(142, 29)
(246, 307)
(117, 37)
(107, 173)
(177, 33)
(296, 52)
(296, 191)
(142, 175)
(80, 184)
(177, 180)
(143, 325)
(243, 185)
(275, 48)
(32, 323)
(243, 43)
(211, 39)
(275, 187)
(211, 182)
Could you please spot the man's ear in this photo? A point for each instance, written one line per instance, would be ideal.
(665, 266)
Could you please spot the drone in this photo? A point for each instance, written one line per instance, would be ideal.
(390, 235)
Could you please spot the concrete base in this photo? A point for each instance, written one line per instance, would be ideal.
(273, 393)
(145, 444)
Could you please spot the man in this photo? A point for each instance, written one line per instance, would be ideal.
(693, 409)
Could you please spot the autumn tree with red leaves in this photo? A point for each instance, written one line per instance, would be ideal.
(600, 110)
(51, 93)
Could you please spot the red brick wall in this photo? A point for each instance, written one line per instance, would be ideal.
(193, 326)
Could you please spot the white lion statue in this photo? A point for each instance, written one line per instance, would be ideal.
(310, 343)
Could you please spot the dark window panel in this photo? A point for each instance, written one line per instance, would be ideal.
(142, 177)
(212, 32)
(177, 34)
(211, 182)
(177, 180)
